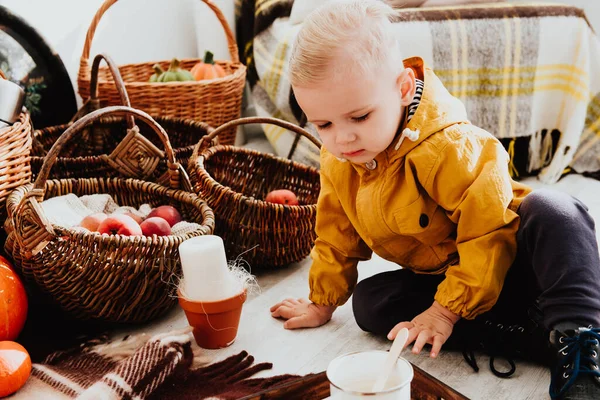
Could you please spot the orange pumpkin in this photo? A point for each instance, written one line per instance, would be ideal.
(13, 302)
(207, 69)
(15, 367)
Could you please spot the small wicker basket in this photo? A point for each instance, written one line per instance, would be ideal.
(213, 101)
(93, 153)
(234, 181)
(112, 278)
(15, 149)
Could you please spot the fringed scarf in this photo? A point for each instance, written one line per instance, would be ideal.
(140, 367)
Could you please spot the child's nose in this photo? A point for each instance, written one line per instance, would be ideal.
(344, 137)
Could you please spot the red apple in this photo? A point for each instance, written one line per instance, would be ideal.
(282, 196)
(155, 226)
(168, 213)
(137, 218)
(93, 221)
(120, 224)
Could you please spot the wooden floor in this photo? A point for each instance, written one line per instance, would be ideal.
(310, 350)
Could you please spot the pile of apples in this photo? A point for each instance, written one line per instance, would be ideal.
(159, 222)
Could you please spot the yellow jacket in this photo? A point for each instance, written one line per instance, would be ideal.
(442, 204)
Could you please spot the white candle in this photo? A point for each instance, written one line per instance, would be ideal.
(206, 276)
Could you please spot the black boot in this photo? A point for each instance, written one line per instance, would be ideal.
(522, 339)
(576, 372)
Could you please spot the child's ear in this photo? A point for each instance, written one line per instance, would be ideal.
(406, 85)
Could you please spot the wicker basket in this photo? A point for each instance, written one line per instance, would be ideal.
(92, 154)
(112, 278)
(15, 149)
(234, 181)
(214, 101)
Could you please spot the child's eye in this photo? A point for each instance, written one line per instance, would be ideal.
(361, 118)
(324, 126)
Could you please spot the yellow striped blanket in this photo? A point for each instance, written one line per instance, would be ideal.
(528, 73)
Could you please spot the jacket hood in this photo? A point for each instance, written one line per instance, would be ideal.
(437, 110)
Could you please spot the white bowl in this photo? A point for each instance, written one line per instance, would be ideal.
(352, 376)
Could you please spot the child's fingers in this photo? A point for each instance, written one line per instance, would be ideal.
(422, 339)
(302, 321)
(396, 329)
(283, 312)
(413, 333)
(438, 341)
(276, 306)
(290, 303)
(275, 310)
(303, 301)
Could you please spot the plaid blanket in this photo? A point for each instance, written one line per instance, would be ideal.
(526, 72)
(161, 367)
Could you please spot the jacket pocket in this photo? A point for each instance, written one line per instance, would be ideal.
(424, 220)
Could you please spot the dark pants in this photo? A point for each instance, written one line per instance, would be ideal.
(557, 264)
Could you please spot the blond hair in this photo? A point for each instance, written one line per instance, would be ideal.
(358, 34)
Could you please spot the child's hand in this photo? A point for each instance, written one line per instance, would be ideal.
(432, 326)
(302, 313)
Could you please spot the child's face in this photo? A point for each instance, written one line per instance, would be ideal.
(357, 117)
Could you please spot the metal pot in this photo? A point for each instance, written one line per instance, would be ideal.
(12, 97)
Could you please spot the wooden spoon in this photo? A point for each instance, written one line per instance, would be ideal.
(390, 361)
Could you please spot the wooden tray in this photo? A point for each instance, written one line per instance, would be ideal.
(316, 387)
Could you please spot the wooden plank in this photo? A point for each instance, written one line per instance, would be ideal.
(310, 387)
(316, 387)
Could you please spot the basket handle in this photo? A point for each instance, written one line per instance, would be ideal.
(231, 43)
(174, 168)
(206, 141)
(117, 78)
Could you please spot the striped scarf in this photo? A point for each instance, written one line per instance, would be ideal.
(412, 107)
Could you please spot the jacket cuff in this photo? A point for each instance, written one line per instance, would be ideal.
(456, 306)
(328, 299)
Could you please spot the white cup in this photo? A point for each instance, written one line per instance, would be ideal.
(352, 376)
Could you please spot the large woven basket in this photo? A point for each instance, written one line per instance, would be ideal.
(234, 181)
(112, 278)
(93, 153)
(214, 101)
(15, 149)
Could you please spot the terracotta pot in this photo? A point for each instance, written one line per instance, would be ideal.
(215, 323)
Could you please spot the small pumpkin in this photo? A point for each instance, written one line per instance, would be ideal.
(13, 302)
(207, 69)
(173, 74)
(158, 71)
(15, 367)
